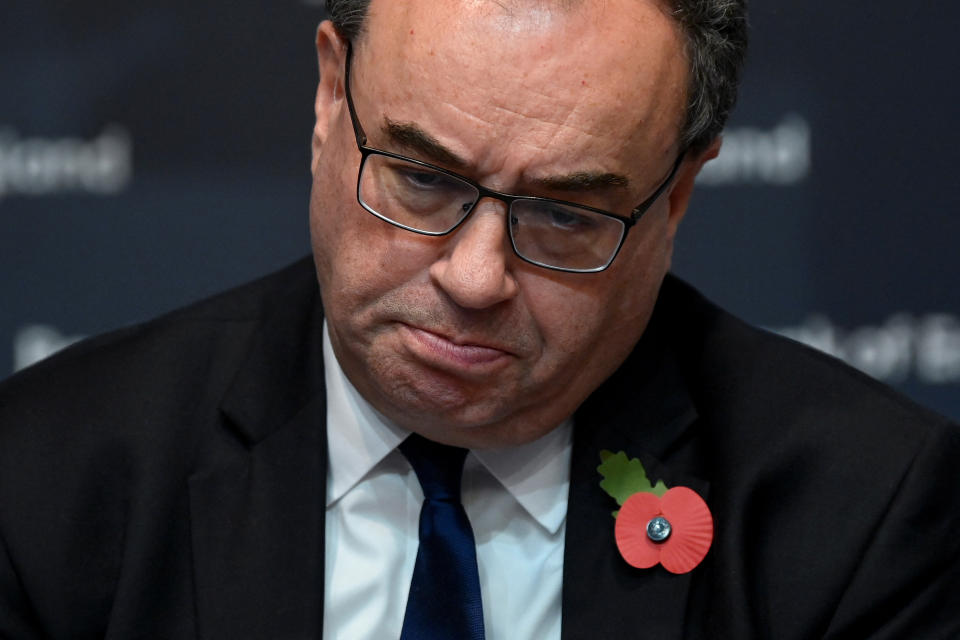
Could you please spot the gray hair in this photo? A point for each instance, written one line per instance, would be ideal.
(716, 34)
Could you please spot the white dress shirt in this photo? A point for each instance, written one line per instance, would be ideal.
(516, 500)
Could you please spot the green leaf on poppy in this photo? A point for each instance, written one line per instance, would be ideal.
(623, 477)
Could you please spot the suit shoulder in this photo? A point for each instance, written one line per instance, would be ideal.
(123, 381)
(822, 481)
(745, 370)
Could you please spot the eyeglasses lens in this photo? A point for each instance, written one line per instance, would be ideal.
(545, 232)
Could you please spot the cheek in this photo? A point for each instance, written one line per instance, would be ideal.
(344, 237)
(595, 320)
(572, 318)
(359, 258)
(330, 207)
(643, 267)
(567, 316)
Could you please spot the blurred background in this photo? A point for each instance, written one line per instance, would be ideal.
(153, 155)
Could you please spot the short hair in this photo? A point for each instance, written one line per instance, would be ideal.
(716, 45)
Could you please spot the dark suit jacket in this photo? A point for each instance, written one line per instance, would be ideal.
(168, 481)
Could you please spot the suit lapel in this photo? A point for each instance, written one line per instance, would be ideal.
(645, 409)
(256, 505)
(257, 526)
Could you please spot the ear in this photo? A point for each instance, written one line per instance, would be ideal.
(331, 49)
(683, 184)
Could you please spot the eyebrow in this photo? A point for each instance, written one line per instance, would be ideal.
(582, 181)
(412, 138)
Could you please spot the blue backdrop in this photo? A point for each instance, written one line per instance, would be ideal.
(151, 155)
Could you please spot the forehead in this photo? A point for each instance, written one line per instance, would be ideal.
(555, 79)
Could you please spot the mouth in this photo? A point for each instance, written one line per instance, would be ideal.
(458, 355)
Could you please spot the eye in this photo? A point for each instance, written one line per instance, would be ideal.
(554, 217)
(562, 218)
(419, 178)
(567, 219)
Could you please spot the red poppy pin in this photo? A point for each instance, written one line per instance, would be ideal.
(672, 527)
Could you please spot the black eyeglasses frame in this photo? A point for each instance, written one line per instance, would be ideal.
(484, 192)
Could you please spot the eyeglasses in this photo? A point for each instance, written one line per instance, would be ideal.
(430, 200)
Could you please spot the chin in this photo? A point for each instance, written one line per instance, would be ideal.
(450, 416)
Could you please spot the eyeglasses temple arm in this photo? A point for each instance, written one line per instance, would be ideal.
(357, 129)
(646, 204)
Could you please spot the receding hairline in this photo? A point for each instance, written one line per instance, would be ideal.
(716, 34)
(509, 8)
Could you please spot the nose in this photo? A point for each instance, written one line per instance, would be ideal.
(474, 270)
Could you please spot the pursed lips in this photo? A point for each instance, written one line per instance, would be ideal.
(440, 349)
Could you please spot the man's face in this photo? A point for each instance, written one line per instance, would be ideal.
(455, 337)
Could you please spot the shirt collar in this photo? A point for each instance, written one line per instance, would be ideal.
(536, 474)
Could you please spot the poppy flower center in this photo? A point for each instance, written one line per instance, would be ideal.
(658, 529)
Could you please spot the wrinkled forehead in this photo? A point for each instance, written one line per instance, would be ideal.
(547, 70)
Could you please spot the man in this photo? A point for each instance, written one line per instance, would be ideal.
(487, 280)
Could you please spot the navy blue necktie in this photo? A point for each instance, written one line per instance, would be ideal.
(444, 599)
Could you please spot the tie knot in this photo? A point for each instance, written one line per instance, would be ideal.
(439, 467)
